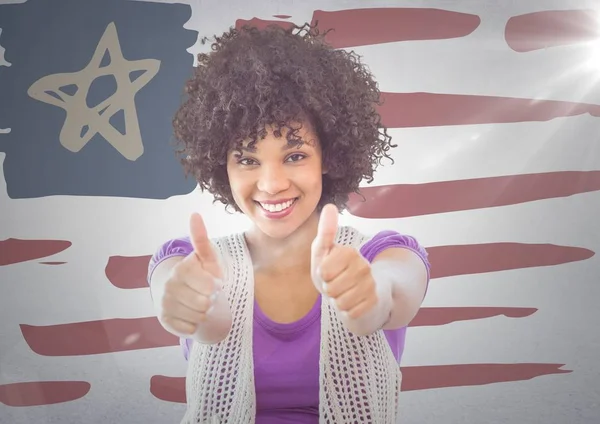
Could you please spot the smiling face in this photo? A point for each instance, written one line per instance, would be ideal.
(276, 185)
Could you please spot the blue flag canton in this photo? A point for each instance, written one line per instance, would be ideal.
(90, 95)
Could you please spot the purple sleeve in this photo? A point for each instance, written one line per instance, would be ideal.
(176, 247)
(387, 239)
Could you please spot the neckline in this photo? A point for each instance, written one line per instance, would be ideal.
(289, 327)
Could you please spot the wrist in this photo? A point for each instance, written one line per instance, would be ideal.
(218, 319)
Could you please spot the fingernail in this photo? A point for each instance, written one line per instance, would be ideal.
(214, 296)
(210, 309)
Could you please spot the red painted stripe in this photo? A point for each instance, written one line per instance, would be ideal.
(551, 28)
(172, 389)
(128, 272)
(443, 316)
(261, 23)
(118, 335)
(38, 393)
(405, 200)
(537, 255)
(439, 376)
(401, 110)
(360, 27)
(13, 251)
(470, 259)
(96, 337)
(425, 317)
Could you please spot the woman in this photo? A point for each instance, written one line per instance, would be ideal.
(296, 320)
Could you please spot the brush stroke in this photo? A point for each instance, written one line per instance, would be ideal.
(128, 272)
(461, 375)
(118, 335)
(172, 389)
(469, 259)
(97, 337)
(261, 24)
(404, 110)
(38, 393)
(408, 200)
(14, 251)
(451, 260)
(551, 28)
(362, 27)
(430, 316)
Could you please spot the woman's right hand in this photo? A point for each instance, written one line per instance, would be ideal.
(193, 286)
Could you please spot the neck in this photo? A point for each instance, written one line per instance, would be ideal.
(274, 253)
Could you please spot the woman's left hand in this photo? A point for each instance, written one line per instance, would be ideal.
(341, 272)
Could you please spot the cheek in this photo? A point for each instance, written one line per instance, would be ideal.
(239, 184)
(315, 181)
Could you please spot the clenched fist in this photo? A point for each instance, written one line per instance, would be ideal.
(193, 285)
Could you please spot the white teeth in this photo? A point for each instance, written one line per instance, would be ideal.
(277, 207)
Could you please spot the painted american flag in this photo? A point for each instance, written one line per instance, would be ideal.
(494, 106)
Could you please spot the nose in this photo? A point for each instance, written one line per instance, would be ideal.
(273, 179)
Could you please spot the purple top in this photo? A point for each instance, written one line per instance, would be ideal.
(286, 356)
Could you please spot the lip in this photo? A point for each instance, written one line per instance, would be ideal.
(280, 214)
(274, 202)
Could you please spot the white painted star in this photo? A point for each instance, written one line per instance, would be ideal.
(82, 122)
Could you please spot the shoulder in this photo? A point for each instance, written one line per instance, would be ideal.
(181, 246)
(371, 245)
(178, 246)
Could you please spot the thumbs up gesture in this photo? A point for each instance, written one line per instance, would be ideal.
(341, 272)
(193, 288)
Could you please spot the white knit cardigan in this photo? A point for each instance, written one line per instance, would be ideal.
(359, 376)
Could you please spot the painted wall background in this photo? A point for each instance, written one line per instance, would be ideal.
(494, 106)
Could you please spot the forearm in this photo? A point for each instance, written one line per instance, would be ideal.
(217, 324)
(406, 274)
(400, 278)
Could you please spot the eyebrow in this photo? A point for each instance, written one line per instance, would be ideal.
(284, 148)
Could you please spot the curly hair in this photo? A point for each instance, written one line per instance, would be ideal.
(252, 79)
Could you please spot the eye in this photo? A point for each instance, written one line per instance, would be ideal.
(295, 157)
(246, 161)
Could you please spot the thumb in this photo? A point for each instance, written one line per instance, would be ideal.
(326, 233)
(202, 246)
